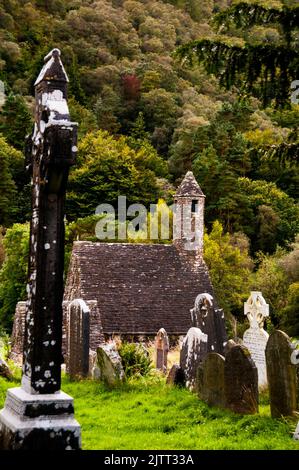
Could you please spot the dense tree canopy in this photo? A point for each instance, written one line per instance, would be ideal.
(145, 118)
(108, 168)
(261, 60)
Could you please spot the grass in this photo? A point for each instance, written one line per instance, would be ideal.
(148, 414)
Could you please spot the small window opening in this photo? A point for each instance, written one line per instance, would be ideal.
(194, 206)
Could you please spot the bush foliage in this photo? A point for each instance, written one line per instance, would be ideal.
(135, 359)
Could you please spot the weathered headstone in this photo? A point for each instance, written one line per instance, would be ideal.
(109, 366)
(212, 391)
(176, 376)
(162, 348)
(93, 369)
(77, 358)
(229, 345)
(38, 415)
(193, 352)
(240, 381)
(17, 337)
(255, 338)
(198, 387)
(282, 380)
(209, 320)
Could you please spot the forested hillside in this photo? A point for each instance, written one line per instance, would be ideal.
(147, 116)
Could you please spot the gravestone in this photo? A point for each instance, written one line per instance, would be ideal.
(193, 352)
(240, 381)
(212, 391)
(255, 338)
(229, 345)
(17, 337)
(176, 376)
(282, 380)
(109, 367)
(77, 357)
(210, 320)
(162, 348)
(198, 388)
(38, 415)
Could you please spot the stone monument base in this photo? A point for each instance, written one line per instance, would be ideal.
(36, 422)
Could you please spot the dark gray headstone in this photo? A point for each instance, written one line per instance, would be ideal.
(162, 348)
(213, 380)
(199, 380)
(176, 376)
(281, 373)
(77, 364)
(193, 352)
(210, 320)
(240, 381)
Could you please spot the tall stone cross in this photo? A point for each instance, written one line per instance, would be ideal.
(255, 338)
(38, 415)
(256, 309)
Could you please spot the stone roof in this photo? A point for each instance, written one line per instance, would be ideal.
(189, 187)
(53, 68)
(139, 288)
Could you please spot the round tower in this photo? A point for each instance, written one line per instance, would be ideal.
(189, 202)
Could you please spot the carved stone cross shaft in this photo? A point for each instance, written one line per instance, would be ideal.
(52, 151)
(38, 415)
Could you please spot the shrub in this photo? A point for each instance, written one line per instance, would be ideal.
(5, 345)
(135, 359)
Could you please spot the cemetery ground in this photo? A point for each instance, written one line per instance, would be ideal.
(146, 414)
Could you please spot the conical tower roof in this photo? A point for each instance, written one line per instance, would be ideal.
(189, 187)
(53, 68)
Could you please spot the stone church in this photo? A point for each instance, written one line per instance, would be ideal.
(133, 290)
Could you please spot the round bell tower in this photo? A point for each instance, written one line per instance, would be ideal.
(189, 202)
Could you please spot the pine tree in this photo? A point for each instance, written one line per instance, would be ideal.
(265, 70)
(15, 121)
(7, 187)
(262, 69)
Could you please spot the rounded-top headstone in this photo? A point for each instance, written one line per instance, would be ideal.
(240, 381)
(193, 352)
(281, 374)
(213, 380)
(162, 348)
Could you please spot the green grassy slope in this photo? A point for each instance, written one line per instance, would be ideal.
(149, 415)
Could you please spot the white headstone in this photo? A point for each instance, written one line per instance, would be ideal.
(255, 338)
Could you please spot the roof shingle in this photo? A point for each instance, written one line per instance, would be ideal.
(139, 288)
